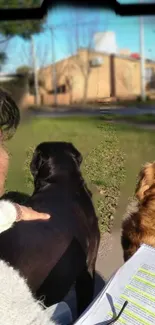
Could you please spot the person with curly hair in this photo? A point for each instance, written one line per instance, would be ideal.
(17, 304)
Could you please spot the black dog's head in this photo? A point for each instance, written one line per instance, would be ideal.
(55, 160)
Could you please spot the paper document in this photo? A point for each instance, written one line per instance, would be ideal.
(134, 282)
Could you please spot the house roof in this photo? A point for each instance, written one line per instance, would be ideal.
(58, 62)
(123, 56)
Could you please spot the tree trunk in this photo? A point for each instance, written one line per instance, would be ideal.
(71, 96)
(85, 90)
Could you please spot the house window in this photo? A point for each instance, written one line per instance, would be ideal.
(60, 90)
(148, 74)
(96, 62)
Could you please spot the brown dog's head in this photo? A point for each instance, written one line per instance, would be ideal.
(146, 180)
(55, 160)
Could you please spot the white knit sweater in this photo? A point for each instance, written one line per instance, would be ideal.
(17, 305)
(8, 214)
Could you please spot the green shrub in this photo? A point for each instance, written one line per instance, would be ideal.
(28, 175)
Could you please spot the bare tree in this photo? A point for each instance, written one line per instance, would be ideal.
(4, 42)
(82, 32)
(77, 33)
(25, 57)
(25, 61)
(70, 78)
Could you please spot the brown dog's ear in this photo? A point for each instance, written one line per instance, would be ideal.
(75, 154)
(146, 180)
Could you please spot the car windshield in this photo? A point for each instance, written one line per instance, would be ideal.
(85, 76)
(136, 2)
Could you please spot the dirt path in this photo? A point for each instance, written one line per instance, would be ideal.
(110, 256)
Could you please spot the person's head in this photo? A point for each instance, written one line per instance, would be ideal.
(9, 115)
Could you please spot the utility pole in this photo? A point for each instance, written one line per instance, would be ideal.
(35, 72)
(142, 58)
(54, 77)
(77, 30)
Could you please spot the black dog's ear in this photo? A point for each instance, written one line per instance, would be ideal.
(36, 163)
(75, 154)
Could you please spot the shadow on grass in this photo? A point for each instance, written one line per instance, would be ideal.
(136, 119)
(126, 125)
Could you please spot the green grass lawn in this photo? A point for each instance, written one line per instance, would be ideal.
(112, 156)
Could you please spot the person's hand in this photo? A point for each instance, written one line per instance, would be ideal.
(28, 214)
(11, 212)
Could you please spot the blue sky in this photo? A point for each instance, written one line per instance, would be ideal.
(126, 31)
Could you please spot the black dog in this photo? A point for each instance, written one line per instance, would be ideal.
(55, 254)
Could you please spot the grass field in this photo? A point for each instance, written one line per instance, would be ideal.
(112, 156)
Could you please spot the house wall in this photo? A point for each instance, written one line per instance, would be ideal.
(127, 77)
(74, 70)
(99, 80)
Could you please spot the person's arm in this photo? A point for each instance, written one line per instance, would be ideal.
(4, 164)
(12, 212)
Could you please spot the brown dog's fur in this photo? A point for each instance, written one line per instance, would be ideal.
(145, 180)
(139, 226)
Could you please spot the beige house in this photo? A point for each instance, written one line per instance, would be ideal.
(93, 76)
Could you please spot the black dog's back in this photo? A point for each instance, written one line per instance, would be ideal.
(38, 243)
(50, 254)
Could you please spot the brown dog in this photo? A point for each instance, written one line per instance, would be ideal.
(139, 225)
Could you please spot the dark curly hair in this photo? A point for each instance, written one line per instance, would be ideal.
(9, 114)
